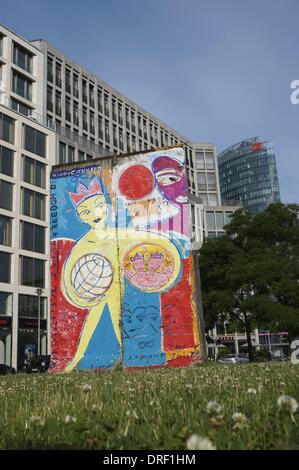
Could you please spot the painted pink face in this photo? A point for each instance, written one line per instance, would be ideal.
(154, 263)
(138, 264)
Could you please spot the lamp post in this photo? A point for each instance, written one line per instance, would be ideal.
(39, 292)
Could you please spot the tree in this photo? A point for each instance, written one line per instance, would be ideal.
(251, 274)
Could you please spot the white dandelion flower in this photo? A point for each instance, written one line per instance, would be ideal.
(287, 403)
(196, 442)
(214, 408)
(86, 388)
(252, 391)
(70, 419)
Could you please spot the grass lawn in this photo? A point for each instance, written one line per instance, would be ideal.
(151, 409)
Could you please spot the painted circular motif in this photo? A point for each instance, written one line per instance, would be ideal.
(136, 182)
(149, 266)
(91, 276)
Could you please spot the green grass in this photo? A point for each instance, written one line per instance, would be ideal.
(149, 409)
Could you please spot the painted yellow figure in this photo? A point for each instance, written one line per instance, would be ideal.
(93, 271)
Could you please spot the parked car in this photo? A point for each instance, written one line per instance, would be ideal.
(4, 369)
(233, 359)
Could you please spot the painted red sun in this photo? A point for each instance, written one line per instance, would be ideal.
(136, 182)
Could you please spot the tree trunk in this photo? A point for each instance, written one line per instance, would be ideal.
(249, 342)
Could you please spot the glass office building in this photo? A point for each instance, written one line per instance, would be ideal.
(248, 175)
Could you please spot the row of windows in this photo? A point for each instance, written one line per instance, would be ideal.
(34, 140)
(33, 171)
(206, 181)
(204, 160)
(28, 305)
(32, 236)
(32, 202)
(218, 219)
(32, 270)
(105, 103)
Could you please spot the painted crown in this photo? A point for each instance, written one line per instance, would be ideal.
(83, 192)
(137, 257)
(157, 256)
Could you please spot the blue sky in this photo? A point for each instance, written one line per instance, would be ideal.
(215, 70)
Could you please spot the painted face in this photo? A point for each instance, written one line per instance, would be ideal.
(138, 263)
(155, 262)
(171, 179)
(93, 210)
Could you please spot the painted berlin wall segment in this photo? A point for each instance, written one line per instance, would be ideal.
(122, 277)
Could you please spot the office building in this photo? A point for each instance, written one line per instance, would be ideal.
(52, 110)
(248, 175)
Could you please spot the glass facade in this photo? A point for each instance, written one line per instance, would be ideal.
(248, 175)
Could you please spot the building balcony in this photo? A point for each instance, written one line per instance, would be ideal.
(43, 120)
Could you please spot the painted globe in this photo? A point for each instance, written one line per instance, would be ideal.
(91, 276)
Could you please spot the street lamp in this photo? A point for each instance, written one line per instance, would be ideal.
(39, 292)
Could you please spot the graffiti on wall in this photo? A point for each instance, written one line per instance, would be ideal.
(122, 277)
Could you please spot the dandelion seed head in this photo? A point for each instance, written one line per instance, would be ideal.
(287, 403)
(196, 442)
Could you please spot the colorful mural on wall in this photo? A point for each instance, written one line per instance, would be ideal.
(122, 277)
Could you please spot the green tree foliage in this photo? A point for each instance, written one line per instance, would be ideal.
(251, 274)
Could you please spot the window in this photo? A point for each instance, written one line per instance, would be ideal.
(201, 179)
(200, 164)
(211, 181)
(1, 44)
(210, 220)
(34, 172)
(28, 306)
(58, 103)
(219, 220)
(100, 104)
(70, 154)
(32, 272)
(91, 123)
(22, 86)
(49, 98)
(84, 117)
(212, 200)
(50, 75)
(33, 204)
(81, 156)
(75, 114)
(106, 104)
(33, 237)
(7, 128)
(5, 303)
(84, 90)
(22, 58)
(68, 83)
(68, 109)
(62, 152)
(120, 113)
(115, 142)
(5, 267)
(114, 109)
(91, 95)
(20, 107)
(6, 195)
(76, 85)
(58, 74)
(5, 230)
(35, 141)
(107, 136)
(6, 161)
(209, 161)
